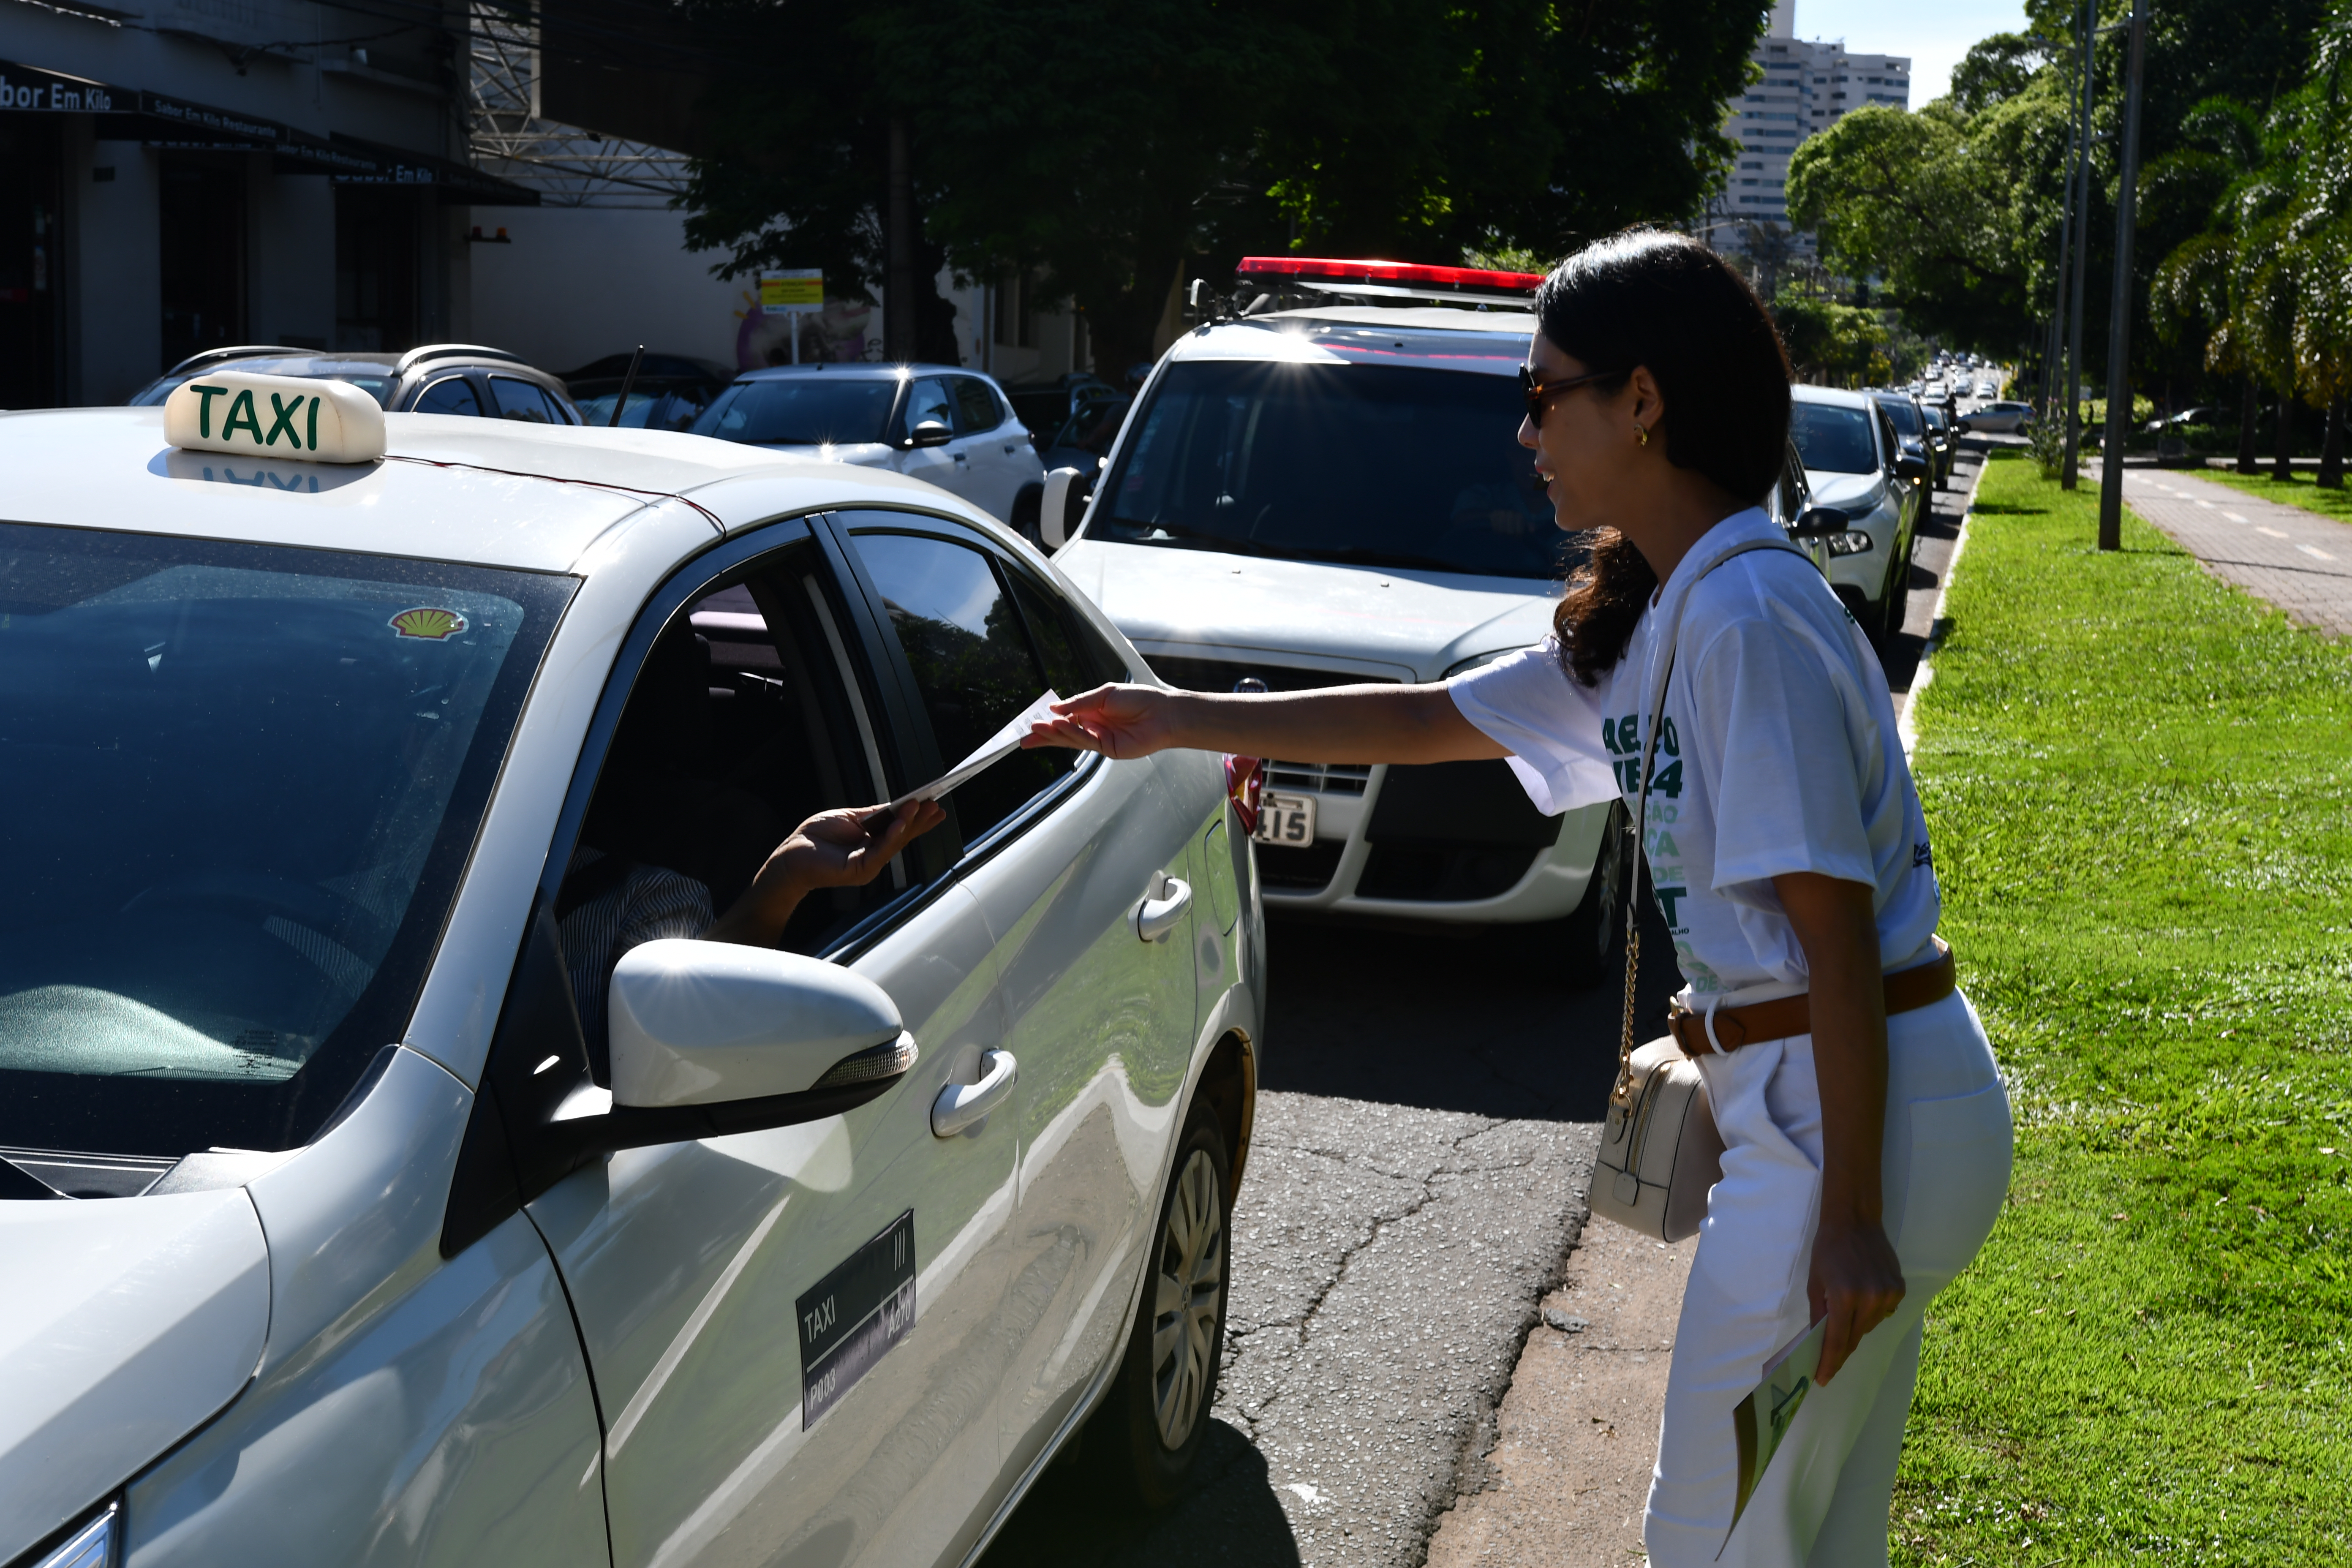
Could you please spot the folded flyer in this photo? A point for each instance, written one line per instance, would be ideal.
(993, 750)
(1761, 1420)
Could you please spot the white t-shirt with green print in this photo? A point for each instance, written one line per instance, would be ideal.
(1778, 754)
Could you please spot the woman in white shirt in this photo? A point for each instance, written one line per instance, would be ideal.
(1867, 1135)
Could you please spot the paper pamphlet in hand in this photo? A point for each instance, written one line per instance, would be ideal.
(993, 750)
(1762, 1419)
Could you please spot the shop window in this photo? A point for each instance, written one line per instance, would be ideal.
(202, 213)
(375, 269)
(29, 279)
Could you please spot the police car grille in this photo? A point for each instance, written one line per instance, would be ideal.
(1320, 778)
(1220, 674)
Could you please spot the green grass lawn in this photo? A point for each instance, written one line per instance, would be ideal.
(2301, 490)
(2138, 781)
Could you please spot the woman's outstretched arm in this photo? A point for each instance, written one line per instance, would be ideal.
(1339, 724)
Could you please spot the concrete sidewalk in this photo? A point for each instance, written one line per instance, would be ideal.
(2297, 559)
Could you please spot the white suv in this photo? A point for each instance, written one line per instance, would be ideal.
(1334, 494)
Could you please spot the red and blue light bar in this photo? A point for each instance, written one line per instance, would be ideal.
(1389, 275)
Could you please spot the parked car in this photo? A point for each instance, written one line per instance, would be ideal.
(670, 391)
(1084, 442)
(439, 378)
(1914, 433)
(1999, 418)
(946, 426)
(1855, 463)
(408, 1224)
(1047, 406)
(1334, 494)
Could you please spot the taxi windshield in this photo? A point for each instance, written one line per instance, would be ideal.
(239, 784)
(1391, 466)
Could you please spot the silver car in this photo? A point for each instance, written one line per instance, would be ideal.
(1856, 463)
(360, 1206)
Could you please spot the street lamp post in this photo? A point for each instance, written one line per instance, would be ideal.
(2119, 408)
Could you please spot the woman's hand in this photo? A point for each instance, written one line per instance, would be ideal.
(846, 849)
(1855, 1279)
(1856, 1282)
(1119, 721)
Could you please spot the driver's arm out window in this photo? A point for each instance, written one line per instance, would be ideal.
(738, 728)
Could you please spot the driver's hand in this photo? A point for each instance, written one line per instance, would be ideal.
(1117, 720)
(849, 848)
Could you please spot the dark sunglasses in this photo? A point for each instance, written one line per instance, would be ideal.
(1538, 392)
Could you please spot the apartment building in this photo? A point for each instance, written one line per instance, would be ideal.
(1808, 87)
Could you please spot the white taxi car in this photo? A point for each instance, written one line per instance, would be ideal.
(345, 1223)
(1335, 493)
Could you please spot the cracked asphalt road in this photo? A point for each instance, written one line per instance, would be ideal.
(1424, 1134)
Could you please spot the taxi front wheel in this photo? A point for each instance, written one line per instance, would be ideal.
(1150, 1430)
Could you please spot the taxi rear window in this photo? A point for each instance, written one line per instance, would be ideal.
(237, 785)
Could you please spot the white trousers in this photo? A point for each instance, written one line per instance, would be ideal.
(1825, 1496)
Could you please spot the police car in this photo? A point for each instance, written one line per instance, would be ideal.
(355, 1212)
(1326, 487)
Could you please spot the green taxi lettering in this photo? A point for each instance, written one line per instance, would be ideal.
(240, 412)
(282, 415)
(314, 425)
(205, 395)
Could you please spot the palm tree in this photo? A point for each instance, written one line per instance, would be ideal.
(2199, 288)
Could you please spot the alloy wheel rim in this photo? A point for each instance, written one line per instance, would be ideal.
(1188, 1291)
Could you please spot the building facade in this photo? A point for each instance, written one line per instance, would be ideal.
(181, 174)
(1808, 87)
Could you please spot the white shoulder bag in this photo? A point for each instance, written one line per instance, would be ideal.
(1660, 1151)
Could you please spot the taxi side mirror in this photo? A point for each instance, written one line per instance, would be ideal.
(1910, 465)
(930, 433)
(701, 1023)
(1818, 523)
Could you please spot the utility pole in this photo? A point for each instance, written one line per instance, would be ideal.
(2071, 474)
(2057, 336)
(2119, 402)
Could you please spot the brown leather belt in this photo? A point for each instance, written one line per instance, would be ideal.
(1907, 991)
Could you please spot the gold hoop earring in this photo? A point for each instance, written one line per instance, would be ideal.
(1641, 436)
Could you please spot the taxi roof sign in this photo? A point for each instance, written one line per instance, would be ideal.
(315, 421)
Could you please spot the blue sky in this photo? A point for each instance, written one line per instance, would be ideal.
(1935, 36)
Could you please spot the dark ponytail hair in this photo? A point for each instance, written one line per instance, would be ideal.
(1651, 299)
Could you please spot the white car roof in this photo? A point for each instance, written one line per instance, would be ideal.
(481, 491)
(1492, 343)
(1836, 395)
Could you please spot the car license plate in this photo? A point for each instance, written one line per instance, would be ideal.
(1287, 819)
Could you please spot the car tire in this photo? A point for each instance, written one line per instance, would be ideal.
(1588, 937)
(1148, 1433)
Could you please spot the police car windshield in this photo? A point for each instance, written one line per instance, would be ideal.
(1833, 439)
(804, 411)
(239, 784)
(1390, 466)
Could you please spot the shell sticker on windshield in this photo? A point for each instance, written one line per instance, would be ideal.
(432, 625)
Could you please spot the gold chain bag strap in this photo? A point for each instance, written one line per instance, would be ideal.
(1660, 1151)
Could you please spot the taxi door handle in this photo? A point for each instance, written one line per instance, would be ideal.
(1155, 918)
(964, 1105)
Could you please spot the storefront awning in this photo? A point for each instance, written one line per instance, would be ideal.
(160, 120)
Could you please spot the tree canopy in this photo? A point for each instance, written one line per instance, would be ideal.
(1957, 207)
(1103, 150)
